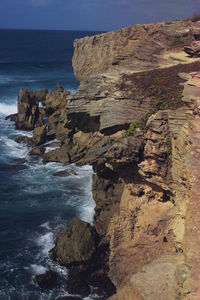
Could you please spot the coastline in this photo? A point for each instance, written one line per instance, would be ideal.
(131, 120)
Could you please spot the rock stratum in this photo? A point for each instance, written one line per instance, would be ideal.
(135, 117)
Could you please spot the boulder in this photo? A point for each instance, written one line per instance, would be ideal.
(40, 134)
(74, 244)
(28, 111)
(47, 280)
(39, 151)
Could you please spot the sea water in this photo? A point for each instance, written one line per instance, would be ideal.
(34, 204)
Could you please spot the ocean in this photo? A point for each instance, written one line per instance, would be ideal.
(34, 204)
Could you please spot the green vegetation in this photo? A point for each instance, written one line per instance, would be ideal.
(141, 124)
(161, 87)
(177, 42)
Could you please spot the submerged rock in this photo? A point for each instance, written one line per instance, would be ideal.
(47, 280)
(74, 244)
(65, 173)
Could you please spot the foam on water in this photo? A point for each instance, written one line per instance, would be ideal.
(8, 109)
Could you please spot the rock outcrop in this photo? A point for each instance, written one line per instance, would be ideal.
(135, 118)
(29, 115)
(74, 244)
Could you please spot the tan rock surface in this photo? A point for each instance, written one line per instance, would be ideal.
(137, 47)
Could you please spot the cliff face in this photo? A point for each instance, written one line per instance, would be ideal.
(153, 253)
(135, 118)
(134, 48)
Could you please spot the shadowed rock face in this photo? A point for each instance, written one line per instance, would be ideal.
(28, 111)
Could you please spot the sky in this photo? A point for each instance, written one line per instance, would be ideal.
(103, 15)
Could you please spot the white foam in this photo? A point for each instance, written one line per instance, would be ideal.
(7, 109)
(14, 149)
(45, 225)
(46, 242)
(38, 269)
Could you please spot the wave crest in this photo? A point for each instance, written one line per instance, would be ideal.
(7, 109)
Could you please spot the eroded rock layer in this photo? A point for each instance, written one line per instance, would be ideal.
(135, 118)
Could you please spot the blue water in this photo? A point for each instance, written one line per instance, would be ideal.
(34, 205)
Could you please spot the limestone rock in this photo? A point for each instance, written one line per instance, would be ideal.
(137, 47)
(57, 155)
(100, 105)
(157, 150)
(74, 244)
(39, 151)
(194, 49)
(56, 99)
(28, 111)
(39, 135)
(162, 272)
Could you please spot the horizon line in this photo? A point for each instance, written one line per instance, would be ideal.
(41, 29)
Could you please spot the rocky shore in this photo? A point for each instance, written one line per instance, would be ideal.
(134, 118)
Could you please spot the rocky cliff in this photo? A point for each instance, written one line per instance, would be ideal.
(135, 118)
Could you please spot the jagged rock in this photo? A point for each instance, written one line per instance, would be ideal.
(58, 155)
(47, 280)
(194, 49)
(37, 151)
(74, 244)
(28, 141)
(157, 150)
(28, 111)
(13, 117)
(41, 95)
(40, 134)
(126, 150)
(56, 99)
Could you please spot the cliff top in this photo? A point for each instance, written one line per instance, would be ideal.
(133, 49)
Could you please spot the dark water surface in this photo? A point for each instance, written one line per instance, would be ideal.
(33, 203)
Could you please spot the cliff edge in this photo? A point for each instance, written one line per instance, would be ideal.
(135, 118)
